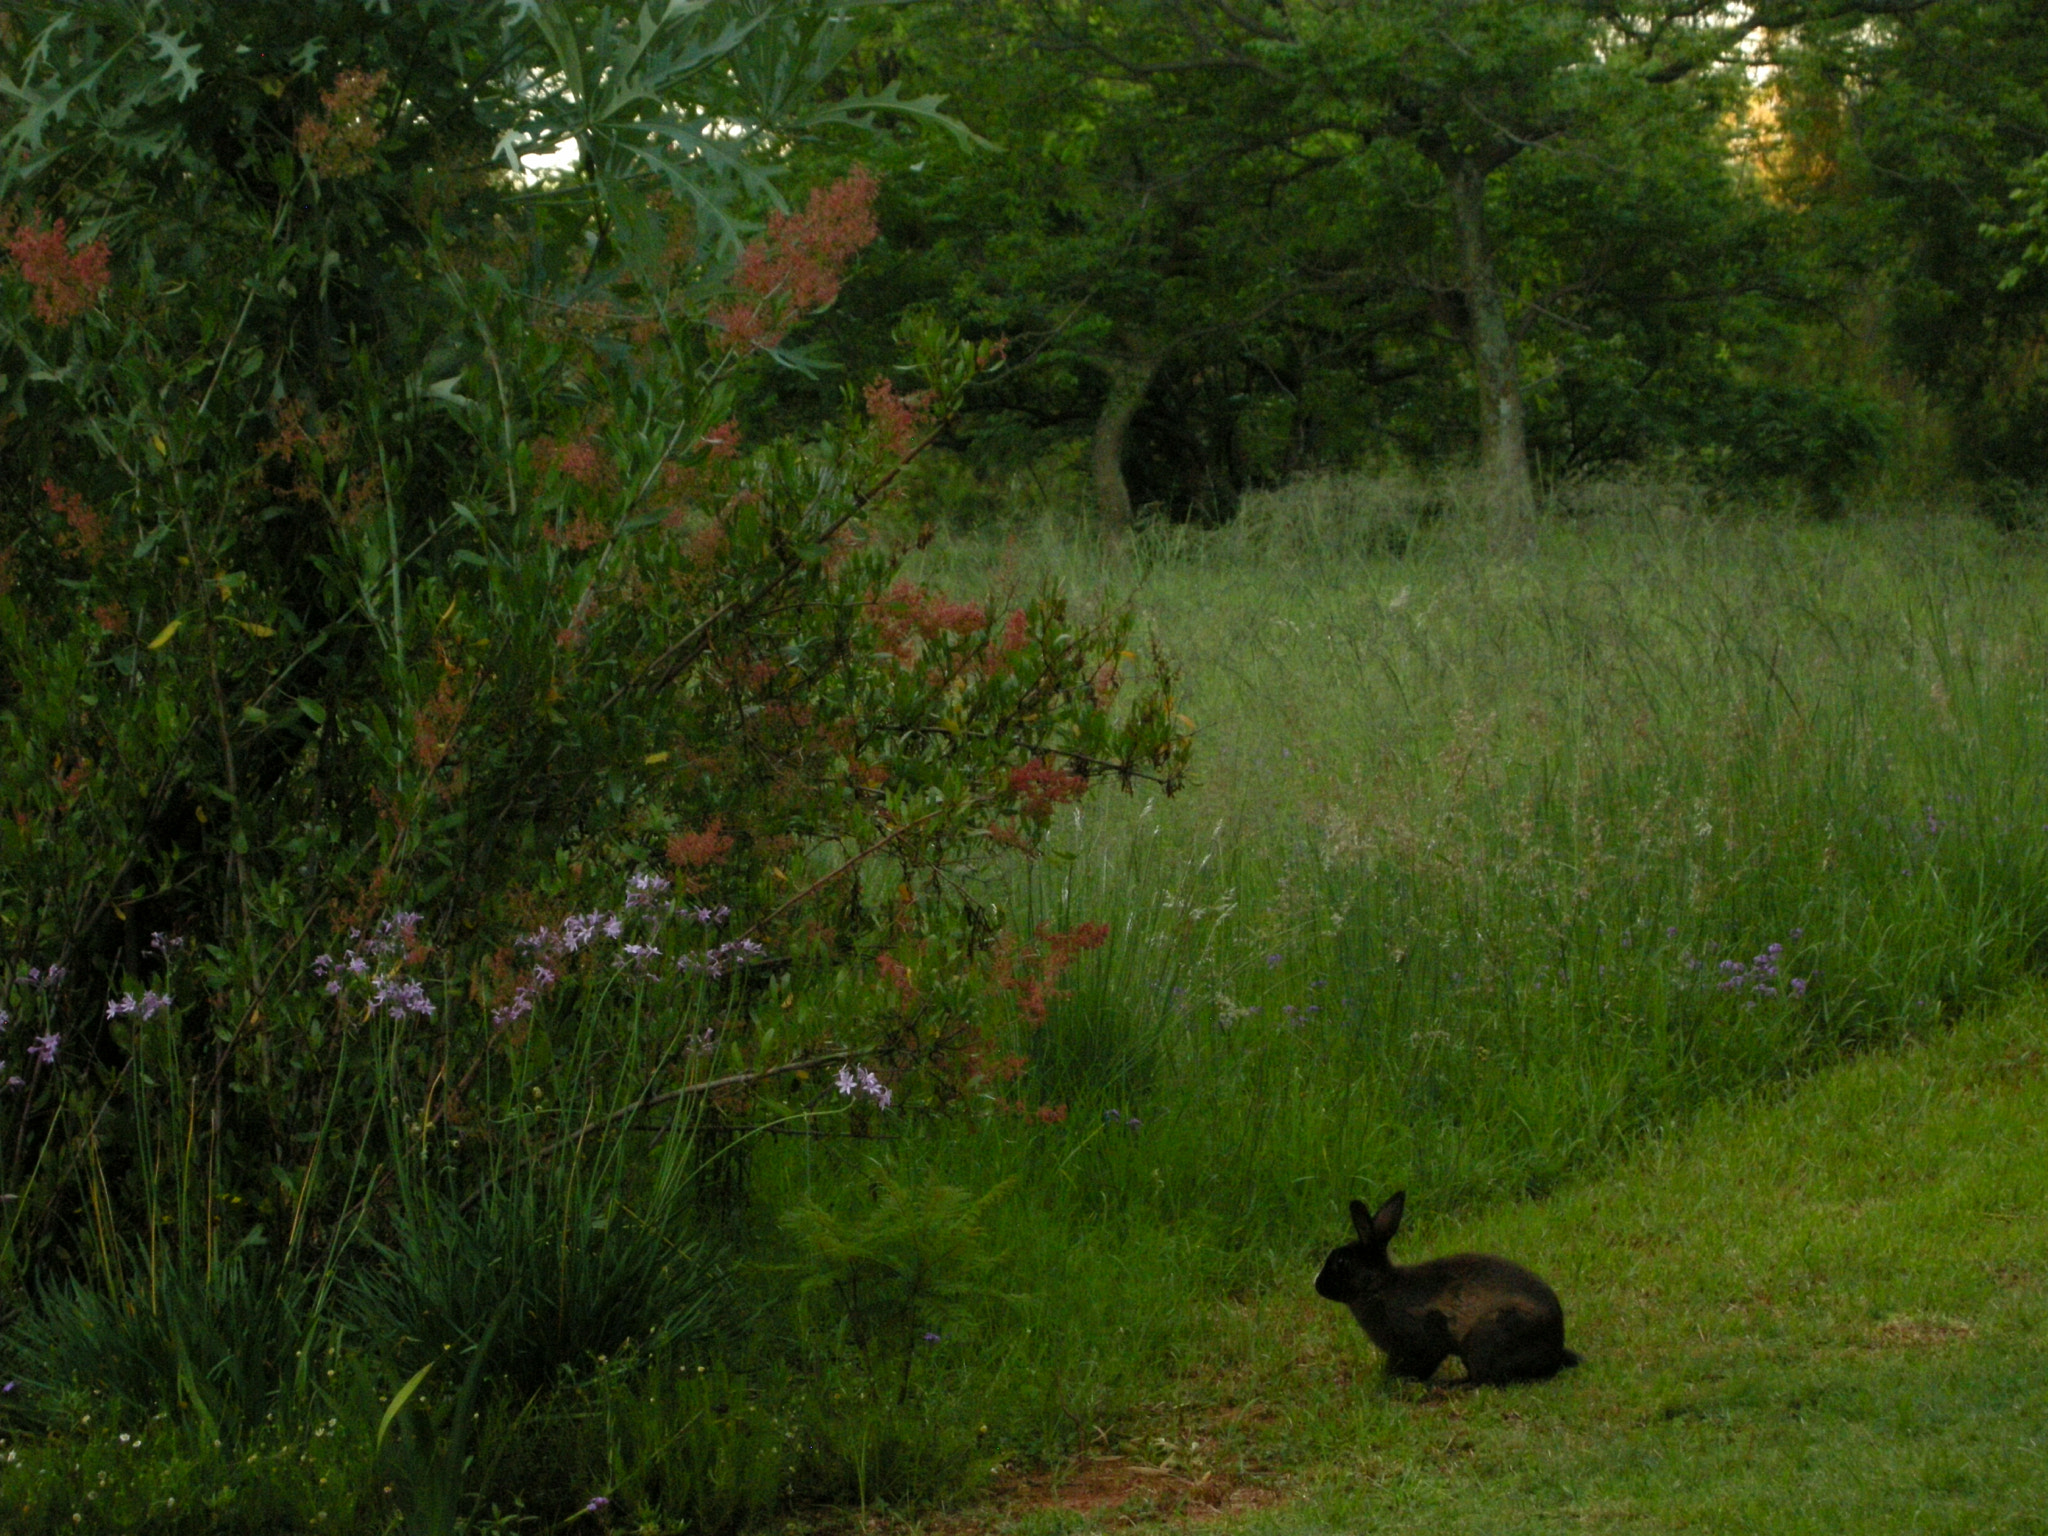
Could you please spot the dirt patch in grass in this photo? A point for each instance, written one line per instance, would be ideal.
(1919, 1332)
(1133, 1490)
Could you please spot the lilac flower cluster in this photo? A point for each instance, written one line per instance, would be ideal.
(143, 1008)
(1130, 1123)
(579, 930)
(42, 1048)
(1763, 975)
(859, 1082)
(386, 945)
(716, 961)
(644, 889)
(539, 980)
(397, 999)
(646, 894)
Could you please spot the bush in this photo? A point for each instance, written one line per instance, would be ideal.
(460, 789)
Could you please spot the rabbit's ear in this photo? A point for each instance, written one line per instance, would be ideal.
(1361, 1220)
(1387, 1221)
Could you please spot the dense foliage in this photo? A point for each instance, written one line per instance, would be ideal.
(1239, 242)
(411, 667)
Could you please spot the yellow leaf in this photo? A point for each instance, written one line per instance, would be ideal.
(654, 757)
(449, 612)
(157, 442)
(260, 631)
(165, 635)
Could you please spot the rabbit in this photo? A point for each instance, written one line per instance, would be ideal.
(1502, 1321)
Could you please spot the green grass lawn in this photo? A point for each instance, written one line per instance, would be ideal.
(1822, 1313)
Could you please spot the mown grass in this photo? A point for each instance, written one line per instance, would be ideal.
(1818, 1312)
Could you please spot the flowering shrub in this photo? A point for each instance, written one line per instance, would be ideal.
(397, 615)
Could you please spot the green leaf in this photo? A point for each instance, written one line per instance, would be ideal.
(180, 59)
(399, 1399)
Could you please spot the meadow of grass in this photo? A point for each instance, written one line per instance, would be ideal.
(1510, 848)
(1514, 852)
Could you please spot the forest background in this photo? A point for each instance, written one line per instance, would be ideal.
(572, 951)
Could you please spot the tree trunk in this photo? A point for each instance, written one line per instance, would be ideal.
(1496, 363)
(1130, 375)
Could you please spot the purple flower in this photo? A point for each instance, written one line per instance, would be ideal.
(860, 1082)
(596, 1504)
(147, 1007)
(930, 1337)
(398, 999)
(643, 888)
(1799, 986)
(717, 961)
(1272, 961)
(520, 1006)
(394, 935)
(45, 1049)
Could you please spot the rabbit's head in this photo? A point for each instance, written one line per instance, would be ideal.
(1359, 1268)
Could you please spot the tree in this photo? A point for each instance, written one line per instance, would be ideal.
(1469, 88)
(1110, 231)
(1905, 143)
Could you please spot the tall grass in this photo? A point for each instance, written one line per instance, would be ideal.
(1512, 846)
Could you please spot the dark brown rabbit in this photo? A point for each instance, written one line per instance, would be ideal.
(1502, 1321)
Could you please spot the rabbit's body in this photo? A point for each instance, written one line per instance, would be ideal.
(1496, 1316)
